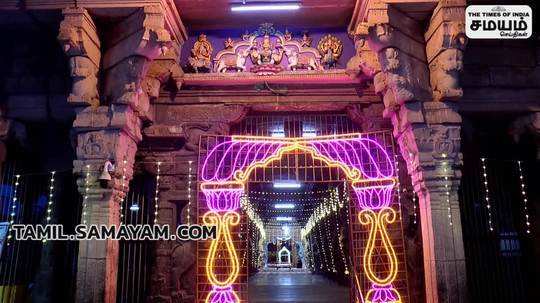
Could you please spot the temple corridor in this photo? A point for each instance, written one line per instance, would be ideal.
(294, 286)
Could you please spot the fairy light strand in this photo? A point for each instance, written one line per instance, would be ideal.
(123, 202)
(13, 207)
(523, 190)
(415, 210)
(190, 176)
(156, 196)
(86, 192)
(447, 184)
(48, 212)
(486, 190)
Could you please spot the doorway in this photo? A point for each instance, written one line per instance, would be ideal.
(360, 242)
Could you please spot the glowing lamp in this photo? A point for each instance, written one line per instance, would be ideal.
(287, 184)
(265, 7)
(134, 207)
(283, 218)
(284, 206)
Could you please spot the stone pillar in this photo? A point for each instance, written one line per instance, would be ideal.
(414, 77)
(108, 128)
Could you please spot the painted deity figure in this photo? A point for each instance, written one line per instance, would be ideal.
(201, 54)
(330, 48)
(266, 51)
(278, 52)
(254, 53)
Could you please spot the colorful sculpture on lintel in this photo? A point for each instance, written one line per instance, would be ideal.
(331, 49)
(368, 168)
(201, 55)
(269, 52)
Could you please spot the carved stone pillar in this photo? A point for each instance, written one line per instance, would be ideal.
(110, 129)
(427, 132)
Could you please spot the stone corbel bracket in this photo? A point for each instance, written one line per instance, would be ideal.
(397, 40)
(164, 70)
(81, 44)
(445, 45)
(365, 62)
(136, 41)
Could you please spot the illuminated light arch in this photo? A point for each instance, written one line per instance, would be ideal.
(366, 165)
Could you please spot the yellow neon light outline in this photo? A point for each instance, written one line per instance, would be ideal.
(223, 222)
(376, 221)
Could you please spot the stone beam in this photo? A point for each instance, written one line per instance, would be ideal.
(412, 81)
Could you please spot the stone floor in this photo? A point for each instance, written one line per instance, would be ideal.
(285, 286)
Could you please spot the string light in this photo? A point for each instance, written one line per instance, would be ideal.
(523, 191)
(156, 195)
(188, 215)
(328, 206)
(13, 208)
(123, 202)
(447, 193)
(86, 190)
(414, 200)
(48, 212)
(486, 190)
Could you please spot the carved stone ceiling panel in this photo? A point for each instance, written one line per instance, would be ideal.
(216, 14)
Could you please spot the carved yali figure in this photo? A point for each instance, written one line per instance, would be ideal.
(331, 49)
(201, 54)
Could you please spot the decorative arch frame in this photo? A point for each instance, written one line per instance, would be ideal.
(367, 166)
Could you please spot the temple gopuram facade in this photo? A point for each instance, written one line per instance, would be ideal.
(366, 145)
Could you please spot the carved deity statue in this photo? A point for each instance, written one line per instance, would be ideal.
(201, 54)
(331, 49)
(266, 51)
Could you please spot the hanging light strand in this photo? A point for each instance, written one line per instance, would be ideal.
(524, 199)
(156, 196)
(447, 187)
(48, 213)
(486, 190)
(398, 184)
(51, 197)
(123, 202)
(13, 207)
(415, 210)
(85, 197)
(190, 176)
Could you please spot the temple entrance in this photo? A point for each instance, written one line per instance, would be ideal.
(288, 264)
(295, 209)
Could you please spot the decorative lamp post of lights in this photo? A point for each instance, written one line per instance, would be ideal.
(369, 169)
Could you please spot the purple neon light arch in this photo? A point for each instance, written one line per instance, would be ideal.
(364, 154)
